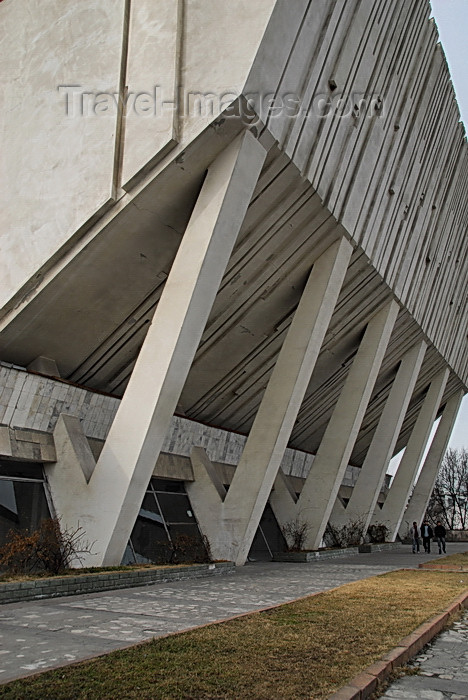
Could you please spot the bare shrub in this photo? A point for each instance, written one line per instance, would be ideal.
(48, 549)
(349, 535)
(18, 555)
(188, 548)
(449, 499)
(295, 533)
(377, 533)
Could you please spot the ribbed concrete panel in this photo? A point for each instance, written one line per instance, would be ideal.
(392, 169)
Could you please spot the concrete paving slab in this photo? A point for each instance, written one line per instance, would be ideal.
(38, 635)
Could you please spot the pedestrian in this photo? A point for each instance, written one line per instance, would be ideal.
(440, 533)
(426, 534)
(415, 537)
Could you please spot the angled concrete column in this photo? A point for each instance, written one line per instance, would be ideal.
(321, 487)
(428, 475)
(107, 508)
(232, 526)
(276, 416)
(392, 512)
(366, 491)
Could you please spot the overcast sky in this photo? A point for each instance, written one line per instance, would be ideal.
(451, 17)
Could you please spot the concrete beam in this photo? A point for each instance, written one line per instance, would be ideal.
(107, 508)
(234, 523)
(365, 493)
(392, 512)
(44, 365)
(321, 486)
(428, 475)
(69, 476)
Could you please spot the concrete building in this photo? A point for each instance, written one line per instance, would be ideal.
(234, 266)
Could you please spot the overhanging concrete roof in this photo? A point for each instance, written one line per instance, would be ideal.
(93, 316)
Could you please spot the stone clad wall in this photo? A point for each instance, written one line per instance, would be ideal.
(58, 587)
(35, 402)
(32, 401)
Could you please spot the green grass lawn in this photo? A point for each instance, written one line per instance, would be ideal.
(305, 649)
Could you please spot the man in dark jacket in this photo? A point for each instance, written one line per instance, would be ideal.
(426, 534)
(440, 532)
(415, 537)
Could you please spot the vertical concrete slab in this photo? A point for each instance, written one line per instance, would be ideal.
(68, 477)
(321, 487)
(428, 475)
(365, 493)
(58, 61)
(206, 494)
(283, 500)
(152, 75)
(392, 512)
(5, 441)
(108, 507)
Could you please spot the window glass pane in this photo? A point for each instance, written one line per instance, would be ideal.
(258, 549)
(168, 504)
(176, 508)
(128, 557)
(267, 532)
(150, 542)
(168, 485)
(22, 470)
(23, 506)
(272, 530)
(149, 508)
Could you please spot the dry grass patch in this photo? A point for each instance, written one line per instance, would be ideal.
(460, 559)
(305, 649)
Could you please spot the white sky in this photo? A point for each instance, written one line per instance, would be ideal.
(451, 17)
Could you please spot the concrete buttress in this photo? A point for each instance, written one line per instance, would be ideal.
(108, 505)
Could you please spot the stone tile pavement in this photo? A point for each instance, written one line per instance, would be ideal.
(44, 634)
(442, 666)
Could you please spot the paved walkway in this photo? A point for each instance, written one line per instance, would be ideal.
(44, 634)
(443, 669)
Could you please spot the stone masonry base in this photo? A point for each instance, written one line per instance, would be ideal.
(19, 591)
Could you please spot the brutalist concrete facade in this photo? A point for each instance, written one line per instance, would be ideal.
(250, 216)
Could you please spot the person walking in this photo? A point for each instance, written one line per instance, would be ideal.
(426, 534)
(440, 533)
(415, 537)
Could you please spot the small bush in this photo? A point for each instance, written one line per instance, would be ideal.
(295, 533)
(349, 535)
(188, 548)
(48, 549)
(377, 533)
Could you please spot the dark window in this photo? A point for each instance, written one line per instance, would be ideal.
(23, 503)
(268, 538)
(175, 508)
(21, 470)
(165, 525)
(167, 485)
